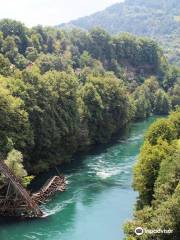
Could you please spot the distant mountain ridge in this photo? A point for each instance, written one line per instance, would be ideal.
(156, 19)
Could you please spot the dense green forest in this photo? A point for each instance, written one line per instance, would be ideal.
(157, 179)
(156, 19)
(64, 91)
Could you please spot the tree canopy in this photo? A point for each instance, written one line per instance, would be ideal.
(63, 91)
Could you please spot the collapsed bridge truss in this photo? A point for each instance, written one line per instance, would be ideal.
(16, 201)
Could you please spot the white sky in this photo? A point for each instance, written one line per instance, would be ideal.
(50, 12)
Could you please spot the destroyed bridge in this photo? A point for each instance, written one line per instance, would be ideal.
(16, 201)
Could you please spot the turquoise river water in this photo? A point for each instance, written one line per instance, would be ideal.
(99, 197)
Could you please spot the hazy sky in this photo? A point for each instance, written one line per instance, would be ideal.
(50, 12)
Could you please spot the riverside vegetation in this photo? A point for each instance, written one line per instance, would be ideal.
(157, 179)
(64, 91)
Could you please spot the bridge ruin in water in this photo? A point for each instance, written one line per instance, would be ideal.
(16, 201)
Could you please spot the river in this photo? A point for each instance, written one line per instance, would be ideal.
(99, 197)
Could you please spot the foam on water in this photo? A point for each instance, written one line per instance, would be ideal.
(113, 171)
(58, 207)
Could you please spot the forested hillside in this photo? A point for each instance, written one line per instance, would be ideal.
(64, 91)
(157, 179)
(156, 19)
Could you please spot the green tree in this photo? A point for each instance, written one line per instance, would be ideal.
(15, 162)
(147, 168)
(142, 97)
(106, 106)
(5, 66)
(175, 95)
(51, 101)
(163, 129)
(31, 54)
(162, 102)
(10, 49)
(14, 124)
(14, 28)
(85, 59)
(174, 118)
